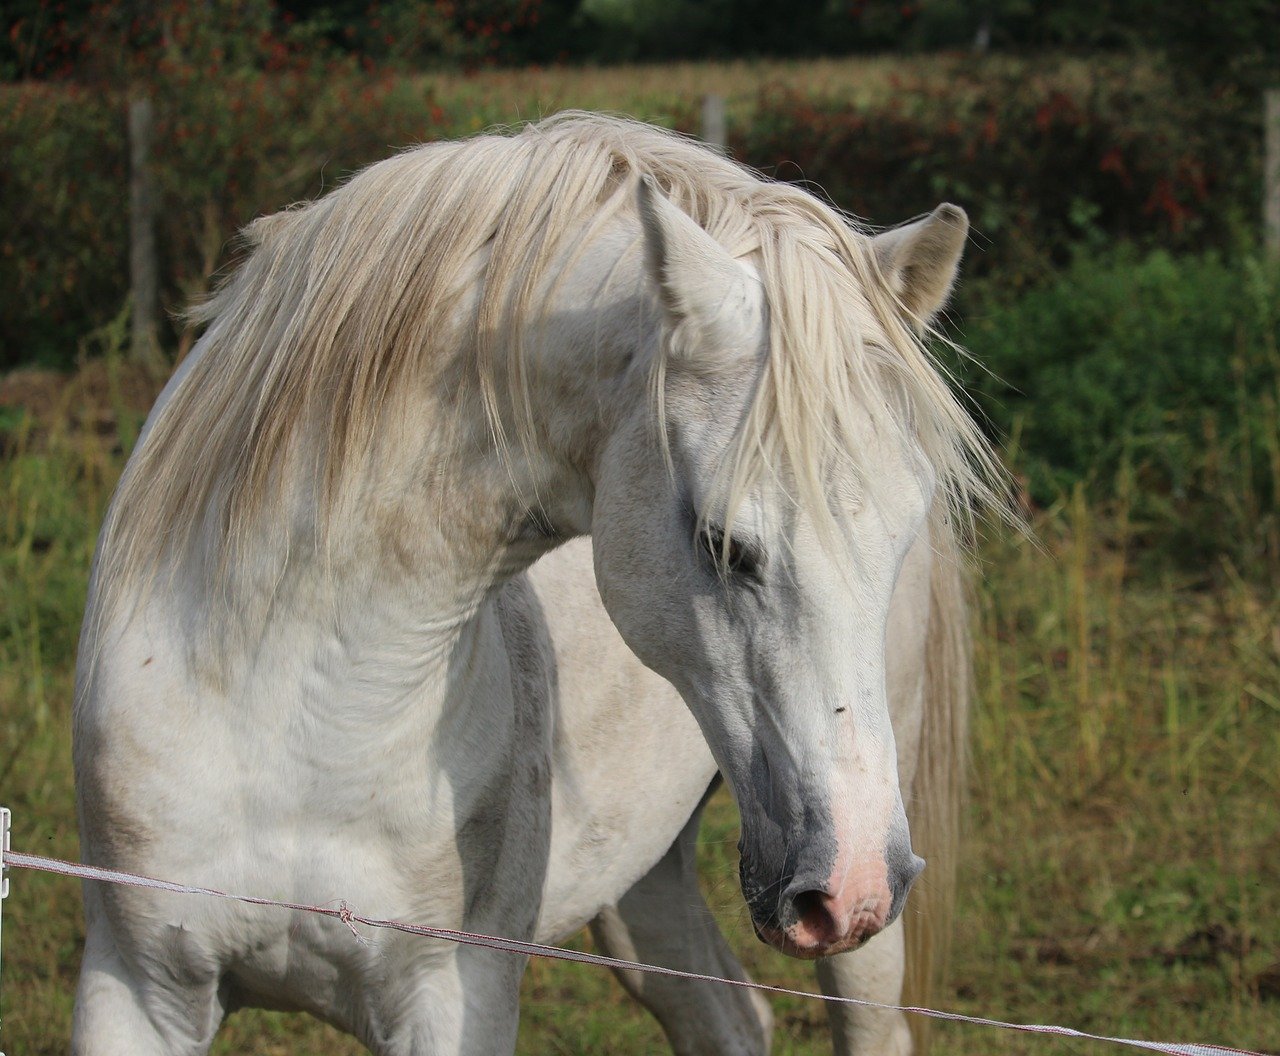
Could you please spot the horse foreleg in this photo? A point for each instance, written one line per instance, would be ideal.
(664, 920)
(121, 1012)
(436, 1001)
(872, 973)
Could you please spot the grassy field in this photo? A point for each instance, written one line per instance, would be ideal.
(1122, 869)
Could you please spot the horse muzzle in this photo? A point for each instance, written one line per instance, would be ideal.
(820, 916)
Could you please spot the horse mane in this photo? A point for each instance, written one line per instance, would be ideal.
(343, 303)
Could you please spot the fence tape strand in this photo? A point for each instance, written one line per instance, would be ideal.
(345, 915)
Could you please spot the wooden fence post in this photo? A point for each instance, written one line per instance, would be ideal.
(144, 345)
(713, 122)
(1271, 174)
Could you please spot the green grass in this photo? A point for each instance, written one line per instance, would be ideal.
(1122, 869)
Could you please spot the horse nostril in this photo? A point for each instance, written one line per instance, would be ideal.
(902, 882)
(814, 921)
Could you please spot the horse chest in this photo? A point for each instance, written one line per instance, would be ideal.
(365, 772)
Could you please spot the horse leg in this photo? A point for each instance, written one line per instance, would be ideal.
(462, 1001)
(664, 920)
(121, 1012)
(872, 973)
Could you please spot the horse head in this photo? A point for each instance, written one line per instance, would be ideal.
(763, 594)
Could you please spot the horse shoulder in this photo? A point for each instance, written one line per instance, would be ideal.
(629, 762)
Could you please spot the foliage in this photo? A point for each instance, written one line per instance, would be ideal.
(231, 145)
(1231, 42)
(1224, 45)
(426, 34)
(119, 41)
(1227, 41)
(63, 232)
(676, 29)
(1157, 375)
(1044, 157)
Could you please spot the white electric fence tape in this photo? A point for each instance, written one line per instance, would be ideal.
(534, 949)
(4, 893)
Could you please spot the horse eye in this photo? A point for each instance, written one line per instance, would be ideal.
(736, 558)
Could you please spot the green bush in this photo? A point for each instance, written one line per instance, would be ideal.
(63, 219)
(1152, 380)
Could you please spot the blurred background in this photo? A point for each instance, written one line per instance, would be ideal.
(1121, 301)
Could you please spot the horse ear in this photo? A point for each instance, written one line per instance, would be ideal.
(920, 260)
(705, 293)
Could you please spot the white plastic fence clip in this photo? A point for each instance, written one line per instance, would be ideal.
(4, 885)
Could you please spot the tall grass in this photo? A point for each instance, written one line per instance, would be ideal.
(1122, 867)
(1124, 854)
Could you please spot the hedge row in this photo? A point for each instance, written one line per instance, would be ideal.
(1043, 160)
(226, 150)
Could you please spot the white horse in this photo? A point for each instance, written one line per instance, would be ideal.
(313, 666)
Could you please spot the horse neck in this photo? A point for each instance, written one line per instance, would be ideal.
(560, 384)
(440, 514)
(382, 614)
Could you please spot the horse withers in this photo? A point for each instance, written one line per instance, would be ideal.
(313, 665)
